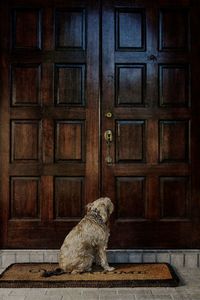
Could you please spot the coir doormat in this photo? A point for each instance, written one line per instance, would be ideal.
(26, 275)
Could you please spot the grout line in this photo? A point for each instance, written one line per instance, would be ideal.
(142, 256)
(170, 258)
(184, 260)
(156, 257)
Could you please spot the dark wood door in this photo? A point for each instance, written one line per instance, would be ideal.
(49, 118)
(150, 86)
(61, 76)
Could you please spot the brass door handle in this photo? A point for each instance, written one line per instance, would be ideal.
(108, 137)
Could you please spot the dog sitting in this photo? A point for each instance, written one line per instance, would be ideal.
(86, 243)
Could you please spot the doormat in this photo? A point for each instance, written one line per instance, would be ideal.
(29, 275)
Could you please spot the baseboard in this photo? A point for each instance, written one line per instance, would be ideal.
(176, 257)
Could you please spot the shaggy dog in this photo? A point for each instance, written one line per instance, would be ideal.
(86, 243)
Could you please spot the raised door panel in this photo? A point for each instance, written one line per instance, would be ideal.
(70, 29)
(70, 85)
(130, 145)
(130, 84)
(174, 141)
(25, 198)
(131, 198)
(25, 141)
(130, 30)
(70, 143)
(174, 85)
(25, 84)
(175, 193)
(26, 28)
(69, 197)
(174, 29)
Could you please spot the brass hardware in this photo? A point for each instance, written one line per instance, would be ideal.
(109, 160)
(108, 114)
(108, 137)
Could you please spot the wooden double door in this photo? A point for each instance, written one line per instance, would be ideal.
(100, 98)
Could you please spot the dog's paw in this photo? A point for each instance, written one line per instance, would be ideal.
(109, 269)
(74, 272)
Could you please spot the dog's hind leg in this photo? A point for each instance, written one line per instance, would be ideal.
(84, 265)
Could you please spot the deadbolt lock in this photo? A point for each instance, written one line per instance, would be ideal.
(108, 114)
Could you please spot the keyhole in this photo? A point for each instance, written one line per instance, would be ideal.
(109, 137)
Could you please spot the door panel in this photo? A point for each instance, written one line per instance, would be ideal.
(22, 19)
(174, 27)
(130, 141)
(147, 80)
(50, 117)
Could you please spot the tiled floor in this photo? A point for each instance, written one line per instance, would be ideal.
(188, 290)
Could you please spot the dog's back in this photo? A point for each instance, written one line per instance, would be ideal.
(77, 249)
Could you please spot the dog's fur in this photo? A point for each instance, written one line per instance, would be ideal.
(86, 243)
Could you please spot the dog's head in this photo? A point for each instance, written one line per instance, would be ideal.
(104, 206)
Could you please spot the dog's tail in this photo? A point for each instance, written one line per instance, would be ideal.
(56, 272)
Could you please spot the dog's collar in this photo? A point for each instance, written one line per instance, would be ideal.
(95, 217)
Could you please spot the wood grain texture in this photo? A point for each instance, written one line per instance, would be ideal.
(45, 119)
(69, 197)
(70, 143)
(26, 28)
(130, 145)
(174, 86)
(174, 33)
(174, 141)
(130, 30)
(25, 140)
(134, 207)
(130, 84)
(26, 81)
(70, 84)
(25, 198)
(70, 29)
(5, 131)
(164, 90)
(175, 197)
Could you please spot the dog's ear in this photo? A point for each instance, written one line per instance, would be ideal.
(110, 207)
(88, 207)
